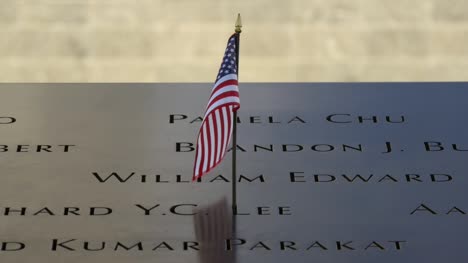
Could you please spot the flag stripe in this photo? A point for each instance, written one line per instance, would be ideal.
(205, 149)
(212, 141)
(230, 123)
(226, 129)
(219, 126)
(198, 160)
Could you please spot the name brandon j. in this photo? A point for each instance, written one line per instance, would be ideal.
(383, 148)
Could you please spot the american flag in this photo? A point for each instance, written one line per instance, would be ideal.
(216, 129)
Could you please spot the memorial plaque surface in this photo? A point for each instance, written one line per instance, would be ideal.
(328, 172)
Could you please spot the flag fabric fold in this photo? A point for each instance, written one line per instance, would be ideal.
(216, 129)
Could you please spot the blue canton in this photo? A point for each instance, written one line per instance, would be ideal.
(229, 65)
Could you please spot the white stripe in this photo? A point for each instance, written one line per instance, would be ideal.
(232, 124)
(205, 148)
(225, 121)
(221, 102)
(223, 79)
(221, 91)
(218, 126)
(197, 164)
(212, 142)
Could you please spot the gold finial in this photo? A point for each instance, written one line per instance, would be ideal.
(238, 24)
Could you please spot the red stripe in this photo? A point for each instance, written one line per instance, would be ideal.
(212, 140)
(208, 137)
(223, 128)
(202, 154)
(195, 172)
(215, 129)
(205, 150)
(232, 123)
(229, 123)
(200, 136)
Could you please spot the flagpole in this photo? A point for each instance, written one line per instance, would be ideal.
(238, 30)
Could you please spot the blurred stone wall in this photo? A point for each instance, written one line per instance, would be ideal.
(282, 40)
